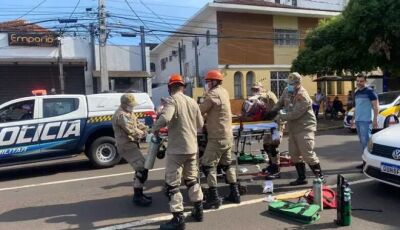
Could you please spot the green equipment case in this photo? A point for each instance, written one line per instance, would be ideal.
(300, 212)
(245, 158)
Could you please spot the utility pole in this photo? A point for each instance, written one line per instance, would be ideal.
(92, 46)
(61, 66)
(104, 82)
(196, 59)
(143, 54)
(180, 57)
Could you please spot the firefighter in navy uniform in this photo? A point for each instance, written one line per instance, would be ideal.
(182, 116)
(128, 131)
(294, 106)
(216, 107)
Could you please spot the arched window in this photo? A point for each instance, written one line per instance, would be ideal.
(238, 85)
(249, 82)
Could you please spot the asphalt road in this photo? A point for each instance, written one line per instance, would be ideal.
(69, 194)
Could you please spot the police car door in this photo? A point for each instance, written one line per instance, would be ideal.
(18, 131)
(62, 120)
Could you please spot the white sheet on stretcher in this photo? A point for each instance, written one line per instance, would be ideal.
(255, 126)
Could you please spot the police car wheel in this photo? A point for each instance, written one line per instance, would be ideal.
(103, 153)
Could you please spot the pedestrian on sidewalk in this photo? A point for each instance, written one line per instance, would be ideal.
(182, 116)
(317, 100)
(366, 111)
(294, 106)
(350, 100)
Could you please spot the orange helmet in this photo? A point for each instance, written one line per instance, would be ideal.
(175, 79)
(214, 75)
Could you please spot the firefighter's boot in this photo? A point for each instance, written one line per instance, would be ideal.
(140, 199)
(176, 223)
(316, 169)
(234, 195)
(301, 172)
(212, 200)
(197, 211)
(273, 172)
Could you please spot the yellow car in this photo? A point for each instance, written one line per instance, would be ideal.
(389, 106)
(389, 116)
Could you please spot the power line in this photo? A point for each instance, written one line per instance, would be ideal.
(130, 7)
(76, 6)
(166, 17)
(166, 5)
(155, 14)
(72, 13)
(38, 5)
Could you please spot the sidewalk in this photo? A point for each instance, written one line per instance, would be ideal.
(323, 124)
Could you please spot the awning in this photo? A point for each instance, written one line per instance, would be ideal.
(135, 74)
(345, 78)
(42, 61)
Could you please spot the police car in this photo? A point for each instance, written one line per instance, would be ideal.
(48, 127)
(382, 156)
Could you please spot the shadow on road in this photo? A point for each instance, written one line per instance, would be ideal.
(47, 169)
(377, 196)
(314, 226)
(371, 202)
(85, 213)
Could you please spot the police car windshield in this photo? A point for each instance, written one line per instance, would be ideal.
(387, 98)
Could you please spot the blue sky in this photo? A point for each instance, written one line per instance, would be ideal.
(155, 14)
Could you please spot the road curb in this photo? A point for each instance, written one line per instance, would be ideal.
(322, 129)
(330, 128)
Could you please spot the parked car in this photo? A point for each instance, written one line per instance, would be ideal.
(389, 104)
(382, 156)
(40, 128)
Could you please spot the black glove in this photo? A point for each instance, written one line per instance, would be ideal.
(270, 115)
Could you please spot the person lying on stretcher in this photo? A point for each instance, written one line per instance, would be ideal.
(255, 109)
(261, 101)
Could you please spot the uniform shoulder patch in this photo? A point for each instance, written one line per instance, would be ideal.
(302, 95)
(213, 93)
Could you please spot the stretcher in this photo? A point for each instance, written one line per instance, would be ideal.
(245, 134)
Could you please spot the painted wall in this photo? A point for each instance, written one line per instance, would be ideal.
(321, 4)
(207, 55)
(236, 49)
(262, 75)
(337, 5)
(122, 58)
(72, 48)
(285, 54)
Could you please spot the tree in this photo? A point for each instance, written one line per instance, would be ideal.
(364, 37)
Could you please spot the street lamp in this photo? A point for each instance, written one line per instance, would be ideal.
(126, 34)
(68, 20)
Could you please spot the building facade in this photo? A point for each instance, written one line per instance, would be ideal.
(25, 67)
(124, 64)
(32, 57)
(249, 41)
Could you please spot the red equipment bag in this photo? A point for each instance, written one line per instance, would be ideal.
(329, 197)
